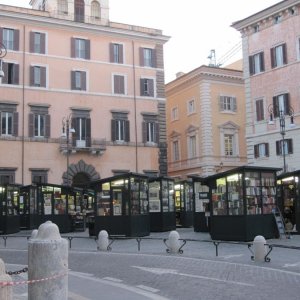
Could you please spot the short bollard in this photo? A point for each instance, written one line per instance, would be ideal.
(5, 291)
(173, 242)
(47, 264)
(103, 240)
(259, 248)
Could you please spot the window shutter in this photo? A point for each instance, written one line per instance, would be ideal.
(87, 49)
(31, 46)
(256, 151)
(278, 148)
(16, 123)
(284, 52)
(142, 57)
(16, 74)
(83, 81)
(275, 107)
(5, 70)
(221, 103)
(75, 126)
(142, 86)
(234, 105)
(144, 132)
(286, 103)
(262, 62)
(267, 149)
(1, 35)
(88, 133)
(154, 58)
(156, 133)
(120, 54)
(16, 39)
(113, 130)
(151, 87)
(127, 131)
(273, 61)
(72, 47)
(251, 65)
(43, 43)
(111, 52)
(43, 76)
(73, 80)
(290, 146)
(47, 126)
(31, 75)
(31, 125)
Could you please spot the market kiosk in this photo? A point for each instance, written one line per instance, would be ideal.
(201, 219)
(288, 193)
(28, 207)
(121, 205)
(242, 202)
(9, 209)
(184, 203)
(162, 204)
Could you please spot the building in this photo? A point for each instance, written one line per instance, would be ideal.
(271, 54)
(69, 69)
(205, 117)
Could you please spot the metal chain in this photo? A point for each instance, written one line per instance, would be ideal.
(17, 272)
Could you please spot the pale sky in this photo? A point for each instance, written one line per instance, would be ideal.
(195, 26)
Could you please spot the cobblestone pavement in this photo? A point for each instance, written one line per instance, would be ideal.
(144, 270)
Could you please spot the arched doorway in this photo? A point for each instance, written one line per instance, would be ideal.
(79, 10)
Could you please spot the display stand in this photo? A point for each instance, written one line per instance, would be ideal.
(121, 205)
(9, 209)
(162, 204)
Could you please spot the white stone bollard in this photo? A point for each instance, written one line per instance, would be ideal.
(5, 291)
(173, 241)
(103, 240)
(34, 234)
(48, 259)
(259, 248)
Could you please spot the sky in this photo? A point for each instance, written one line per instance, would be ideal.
(195, 27)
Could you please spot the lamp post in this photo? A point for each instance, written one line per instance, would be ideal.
(281, 113)
(66, 130)
(3, 53)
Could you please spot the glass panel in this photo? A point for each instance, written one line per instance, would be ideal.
(134, 196)
(60, 202)
(268, 191)
(103, 200)
(253, 193)
(47, 197)
(165, 195)
(235, 194)
(188, 197)
(201, 197)
(117, 202)
(71, 204)
(144, 196)
(178, 197)
(154, 200)
(171, 196)
(219, 197)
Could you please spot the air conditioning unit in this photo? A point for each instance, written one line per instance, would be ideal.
(80, 144)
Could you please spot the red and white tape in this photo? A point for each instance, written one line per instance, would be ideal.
(12, 283)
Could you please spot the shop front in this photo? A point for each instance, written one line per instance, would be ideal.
(162, 204)
(184, 203)
(122, 206)
(288, 193)
(9, 209)
(242, 202)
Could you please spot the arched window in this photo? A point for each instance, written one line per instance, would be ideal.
(79, 10)
(95, 10)
(63, 6)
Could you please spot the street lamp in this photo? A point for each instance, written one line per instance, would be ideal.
(66, 130)
(3, 53)
(281, 113)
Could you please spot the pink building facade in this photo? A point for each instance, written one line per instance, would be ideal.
(271, 53)
(68, 69)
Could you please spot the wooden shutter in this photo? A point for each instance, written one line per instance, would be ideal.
(31, 45)
(72, 47)
(262, 61)
(142, 61)
(73, 80)
(31, 125)
(251, 69)
(286, 100)
(16, 39)
(113, 130)
(284, 53)
(16, 74)
(273, 58)
(151, 87)
(144, 132)
(234, 105)
(267, 149)
(31, 75)
(88, 133)
(111, 52)
(83, 81)
(5, 70)
(153, 59)
(290, 146)
(43, 76)
(278, 147)
(221, 103)
(120, 53)
(156, 132)
(275, 107)
(87, 49)
(1, 35)
(142, 86)
(15, 123)
(75, 126)
(127, 131)
(47, 126)
(256, 151)
(119, 87)
(43, 43)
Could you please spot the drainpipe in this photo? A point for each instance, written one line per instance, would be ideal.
(135, 119)
(23, 108)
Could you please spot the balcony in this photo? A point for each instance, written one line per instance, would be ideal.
(98, 147)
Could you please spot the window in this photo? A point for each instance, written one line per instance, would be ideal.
(174, 113)
(7, 175)
(119, 84)
(228, 103)
(281, 105)
(116, 53)
(147, 87)
(9, 120)
(285, 147)
(95, 9)
(38, 76)
(81, 123)
(147, 57)
(11, 73)
(80, 48)
(10, 38)
(79, 10)
(37, 42)
(175, 150)
(191, 106)
(261, 150)
(256, 28)
(39, 122)
(228, 143)
(150, 129)
(277, 19)
(62, 7)
(260, 110)
(256, 63)
(120, 127)
(78, 80)
(192, 147)
(278, 56)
